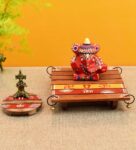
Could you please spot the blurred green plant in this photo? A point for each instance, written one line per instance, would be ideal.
(9, 28)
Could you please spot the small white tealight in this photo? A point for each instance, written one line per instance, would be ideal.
(87, 41)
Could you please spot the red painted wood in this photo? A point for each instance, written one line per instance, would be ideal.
(91, 97)
(88, 91)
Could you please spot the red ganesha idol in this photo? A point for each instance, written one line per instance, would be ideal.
(86, 64)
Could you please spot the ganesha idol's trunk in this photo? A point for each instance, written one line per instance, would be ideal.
(89, 64)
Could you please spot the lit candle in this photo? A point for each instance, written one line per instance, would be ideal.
(87, 41)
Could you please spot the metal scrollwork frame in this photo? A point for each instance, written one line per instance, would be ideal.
(127, 101)
(51, 103)
(48, 68)
(119, 68)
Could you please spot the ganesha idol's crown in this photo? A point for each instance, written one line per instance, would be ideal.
(86, 47)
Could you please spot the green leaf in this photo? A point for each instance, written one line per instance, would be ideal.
(9, 11)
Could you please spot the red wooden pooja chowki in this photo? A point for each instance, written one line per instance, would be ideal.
(21, 103)
(87, 80)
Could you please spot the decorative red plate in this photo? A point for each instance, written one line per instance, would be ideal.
(21, 106)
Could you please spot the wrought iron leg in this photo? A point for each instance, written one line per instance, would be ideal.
(50, 103)
(128, 102)
(119, 68)
(49, 72)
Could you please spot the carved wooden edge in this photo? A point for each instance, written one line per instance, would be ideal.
(23, 112)
(68, 68)
(21, 102)
(127, 98)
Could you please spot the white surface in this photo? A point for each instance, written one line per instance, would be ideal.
(88, 128)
